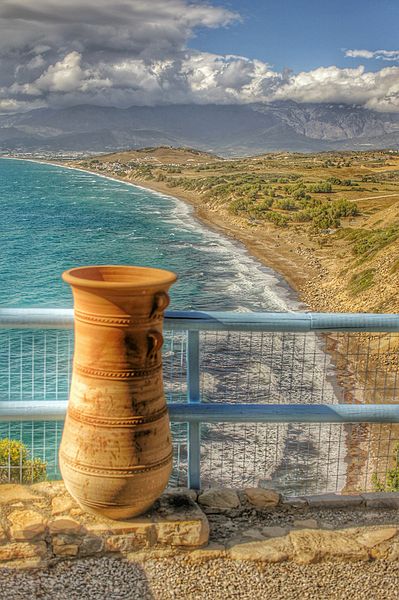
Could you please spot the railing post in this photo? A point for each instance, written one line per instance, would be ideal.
(193, 397)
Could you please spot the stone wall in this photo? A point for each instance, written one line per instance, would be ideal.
(41, 524)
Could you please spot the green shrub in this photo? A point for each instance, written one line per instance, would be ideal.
(303, 216)
(260, 208)
(344, 208)
(16, 466)
(277, 219)
(286, 204)
(240, 205)
(322, 187)
(391, 483)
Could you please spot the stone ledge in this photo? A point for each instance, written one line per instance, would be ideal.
(40, 524)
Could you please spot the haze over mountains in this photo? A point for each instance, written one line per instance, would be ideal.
(229, 130)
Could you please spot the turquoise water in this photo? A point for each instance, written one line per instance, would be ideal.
(55, 218)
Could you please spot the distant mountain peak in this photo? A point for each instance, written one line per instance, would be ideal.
(224, 129)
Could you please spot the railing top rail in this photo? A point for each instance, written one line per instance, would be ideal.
(62, 318)
(218, 412)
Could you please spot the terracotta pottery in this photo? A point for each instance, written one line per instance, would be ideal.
(116, 452)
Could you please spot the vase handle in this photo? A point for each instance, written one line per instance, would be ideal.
(161, 301)
(155, 342)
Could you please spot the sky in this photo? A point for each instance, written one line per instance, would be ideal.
(57, 53)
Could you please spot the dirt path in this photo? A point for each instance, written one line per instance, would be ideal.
(373, 197)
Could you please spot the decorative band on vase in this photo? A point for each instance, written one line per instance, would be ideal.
(114, 321)
(87, 419)
(131, 471)
(123, 375)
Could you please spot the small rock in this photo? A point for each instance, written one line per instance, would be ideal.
(90, 545)
(275, 531)
(15, 493)
(26, 525)
(313, 546)
(219, 498)
(294, 502)
(272, 551)
(372, 537)
(49, 488)
(193, 532)
(192, 494)
(64, 525)
(253, 533)
(22, 550)
(306, 523)
(262, 498)
(61, 504)
(63, 548)
(209, 552)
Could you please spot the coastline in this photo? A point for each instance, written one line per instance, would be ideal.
(274, 249)
(268, 246)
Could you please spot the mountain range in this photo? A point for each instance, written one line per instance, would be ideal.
(228, 130)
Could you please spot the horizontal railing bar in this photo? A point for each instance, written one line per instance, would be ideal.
(62, 318)
(223, 412)
(285, 413)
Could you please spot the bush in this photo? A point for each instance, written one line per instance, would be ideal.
(286, 204)
(16, 466)
(277, 219)
(322, 187)
(391, 483)
(343, 208)
(261, 207)
(240, 205)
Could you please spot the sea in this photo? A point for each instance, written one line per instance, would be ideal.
(54, 218)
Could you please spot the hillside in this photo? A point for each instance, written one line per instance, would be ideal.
(329, 222)
(228, 130)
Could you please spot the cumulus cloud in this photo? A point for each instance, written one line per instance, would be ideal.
(375, 90)
(126, 52)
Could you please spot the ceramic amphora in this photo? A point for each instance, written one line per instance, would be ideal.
(116, 452)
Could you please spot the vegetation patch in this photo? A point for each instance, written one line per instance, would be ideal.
(391, 483)
(16, 466)
(361, 282)
(367, 242)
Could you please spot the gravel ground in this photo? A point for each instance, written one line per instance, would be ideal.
(178, 579)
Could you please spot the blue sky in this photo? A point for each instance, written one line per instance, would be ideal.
(305, 34)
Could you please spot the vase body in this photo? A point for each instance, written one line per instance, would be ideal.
(116, 451)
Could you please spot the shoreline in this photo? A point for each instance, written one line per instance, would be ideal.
(274, 249)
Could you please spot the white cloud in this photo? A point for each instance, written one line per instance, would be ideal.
(387, 55)
(137, 52)
(375, 90)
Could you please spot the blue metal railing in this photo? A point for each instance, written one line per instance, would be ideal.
(195, 411)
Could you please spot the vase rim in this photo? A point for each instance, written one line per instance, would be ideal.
(118, 276)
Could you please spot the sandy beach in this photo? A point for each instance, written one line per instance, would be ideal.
(289, 254)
